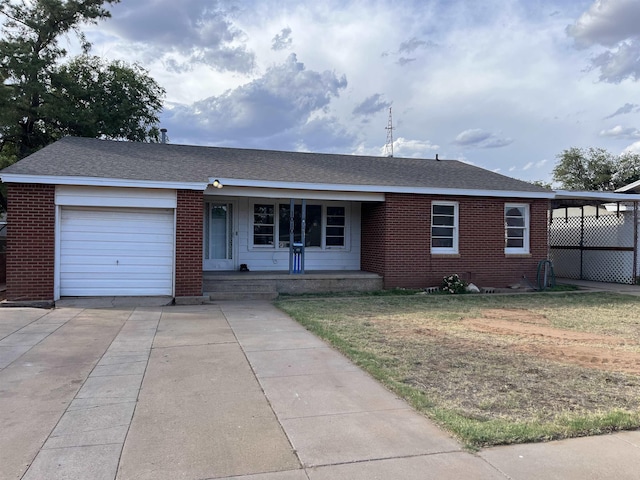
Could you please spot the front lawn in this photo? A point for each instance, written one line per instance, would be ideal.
(495, 369)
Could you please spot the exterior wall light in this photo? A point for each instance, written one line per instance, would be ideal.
(217, 184)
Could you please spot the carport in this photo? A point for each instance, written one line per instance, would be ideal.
(594, 236)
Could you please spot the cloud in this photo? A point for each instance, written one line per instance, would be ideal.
(412, 148)
(371, 105)
(411, 45)
(402, 61)
(633, 148)
(606, 23)
(325, 134)
(402, 147)
(536, 165)
(612, 24)
(278, 104)
(621, 132)
(626, 108)
(408, 47)
(619, 64)
(184, 33)
(476, 137)
(282, 40)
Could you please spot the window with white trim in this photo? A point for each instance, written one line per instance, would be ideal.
(444, 227)
(516, 228)
(263, 224)
(326, 225)
(313, 223)
(336, 225)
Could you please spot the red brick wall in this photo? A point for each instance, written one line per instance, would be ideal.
(398, 232)
(30, 241)
(189, 243)
(373, 234)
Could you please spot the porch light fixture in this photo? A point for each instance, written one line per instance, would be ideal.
(217, 184)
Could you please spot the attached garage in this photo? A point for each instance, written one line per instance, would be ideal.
(116, 242)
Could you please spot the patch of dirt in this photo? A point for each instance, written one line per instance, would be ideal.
(535, 336)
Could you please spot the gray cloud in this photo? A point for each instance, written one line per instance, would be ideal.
(621, 132)
(326, 135)
(618, 64)
(197, 31)
(606, 23)
(273, 108)
(626, 108)
(402, 61)
(411, 45)
(370, 105)
(408, 47)
(282, 40)
(478, 138)
(612, 24)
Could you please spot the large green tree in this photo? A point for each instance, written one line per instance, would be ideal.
(595, 169)
(44, 95)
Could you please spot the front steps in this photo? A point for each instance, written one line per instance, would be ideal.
(240, 290)
(268, 285)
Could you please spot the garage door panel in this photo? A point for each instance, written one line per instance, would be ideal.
(113, 249)
(116, 270)
(116, 251)
(150, 283)
(117, 237)
(116, 291)
(88, 264)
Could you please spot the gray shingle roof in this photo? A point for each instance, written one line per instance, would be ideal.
(87, 157)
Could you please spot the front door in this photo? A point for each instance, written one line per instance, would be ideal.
(218, 236)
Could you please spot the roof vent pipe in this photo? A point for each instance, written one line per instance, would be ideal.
(437, 157)
(163, 135)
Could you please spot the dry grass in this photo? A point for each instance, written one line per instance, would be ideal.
(496, 369)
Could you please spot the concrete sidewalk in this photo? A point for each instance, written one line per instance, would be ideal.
(234, 390)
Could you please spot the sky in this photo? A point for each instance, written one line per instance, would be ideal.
(505, 85)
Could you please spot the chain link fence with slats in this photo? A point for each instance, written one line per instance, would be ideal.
(597, 248)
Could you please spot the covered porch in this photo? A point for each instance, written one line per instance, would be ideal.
(267, 285)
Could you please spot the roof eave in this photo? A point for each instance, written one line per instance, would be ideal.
(603, 197)
(339, 187)
(100, 182)
(201, 186)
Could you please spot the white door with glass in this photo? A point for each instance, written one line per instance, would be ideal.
(219, 245)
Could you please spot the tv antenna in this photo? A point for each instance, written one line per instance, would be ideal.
(388, 148)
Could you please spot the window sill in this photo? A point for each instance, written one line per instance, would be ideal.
(517, 255)
(445, 255)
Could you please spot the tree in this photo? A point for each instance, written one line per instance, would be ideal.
(595, 169)
(94, 98)
(42, 98)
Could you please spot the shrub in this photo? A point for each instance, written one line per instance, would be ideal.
(453, 284)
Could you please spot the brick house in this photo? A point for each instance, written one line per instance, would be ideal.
(91, 217)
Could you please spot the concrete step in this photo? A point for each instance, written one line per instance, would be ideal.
(241, 295)
(265, 286)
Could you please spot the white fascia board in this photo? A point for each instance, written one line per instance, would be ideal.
(100, 182)
(228, 191)
(631, 186)
(454, 192)
(598, 196)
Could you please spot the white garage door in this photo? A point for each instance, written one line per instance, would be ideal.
(116, 251)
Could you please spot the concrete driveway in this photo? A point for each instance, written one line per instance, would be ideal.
(233, 390)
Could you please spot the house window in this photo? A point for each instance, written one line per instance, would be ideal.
(263, 224)
(335, 227)
(313, 225)
(444, 227)
(516, 226)
(325, 225)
